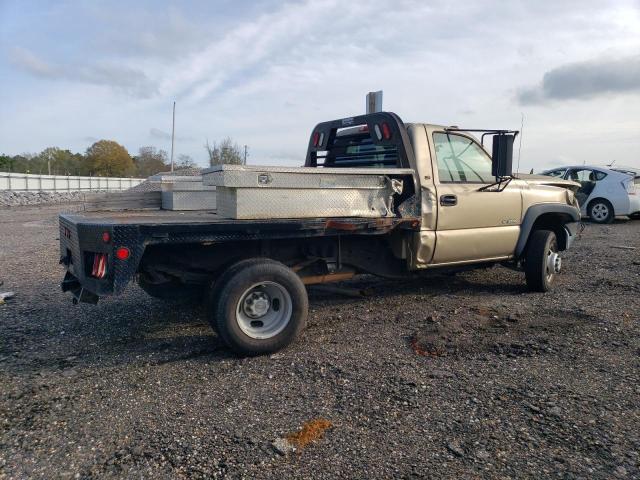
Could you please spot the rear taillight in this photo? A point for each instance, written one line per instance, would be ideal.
(316, 139)
(99, 269)
(122, 253)
(386, 131)
(629, 186)
(383, 131)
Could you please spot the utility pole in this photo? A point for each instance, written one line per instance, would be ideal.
(173, 129)
(245, 154)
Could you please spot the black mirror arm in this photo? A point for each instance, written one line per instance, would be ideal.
(501, 183)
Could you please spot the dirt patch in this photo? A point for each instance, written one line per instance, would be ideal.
(492, 329)
(310, 432)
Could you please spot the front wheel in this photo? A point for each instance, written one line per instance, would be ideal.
(542, 261)
(260, 306)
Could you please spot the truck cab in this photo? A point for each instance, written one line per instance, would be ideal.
(466, 216)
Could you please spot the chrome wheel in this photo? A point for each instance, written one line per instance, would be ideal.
(600, 212)
(264, 310)
(554, 262)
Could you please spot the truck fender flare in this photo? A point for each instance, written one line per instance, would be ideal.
(536, 211)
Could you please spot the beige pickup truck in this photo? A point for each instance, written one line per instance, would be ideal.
(447, 204)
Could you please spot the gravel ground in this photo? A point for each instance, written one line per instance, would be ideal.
(463, 376)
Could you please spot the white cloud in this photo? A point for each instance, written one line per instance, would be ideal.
(121, 78)
(267, 77)
(589, 79)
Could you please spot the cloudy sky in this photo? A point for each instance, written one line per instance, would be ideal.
(265, 72)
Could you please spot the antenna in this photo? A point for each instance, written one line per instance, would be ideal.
(173, 128)
(520, 144)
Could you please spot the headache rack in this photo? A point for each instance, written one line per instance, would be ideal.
(376, 140)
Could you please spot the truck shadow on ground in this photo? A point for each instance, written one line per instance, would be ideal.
(136, 328)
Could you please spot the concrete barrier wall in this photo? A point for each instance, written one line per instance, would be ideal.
(24, 182)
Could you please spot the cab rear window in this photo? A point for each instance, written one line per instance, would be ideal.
(358, 150)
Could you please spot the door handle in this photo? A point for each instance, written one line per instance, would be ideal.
(448, 200)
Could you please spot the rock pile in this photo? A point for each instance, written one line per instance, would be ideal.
(15, 199)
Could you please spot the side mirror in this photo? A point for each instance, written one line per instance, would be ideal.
(502, 155)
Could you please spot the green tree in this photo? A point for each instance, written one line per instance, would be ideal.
(56, 161)
(150, 161)
(26, 163)
(110, 159)
(67, 163)
(226, 152)
(6, 163)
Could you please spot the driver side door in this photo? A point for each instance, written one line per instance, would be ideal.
(472, 225)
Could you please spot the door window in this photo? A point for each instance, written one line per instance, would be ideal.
(461, 160)
(587, 179)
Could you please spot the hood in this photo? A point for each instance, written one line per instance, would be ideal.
(550, 181)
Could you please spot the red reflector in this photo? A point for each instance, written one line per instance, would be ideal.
(316, 139)
(122, 253)
(106, 237)
(386, 131)
(99, 269)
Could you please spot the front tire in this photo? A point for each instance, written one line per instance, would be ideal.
(542, 261)
(261, 306)
(601, 211)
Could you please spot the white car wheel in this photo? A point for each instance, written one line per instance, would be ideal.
(600, 211)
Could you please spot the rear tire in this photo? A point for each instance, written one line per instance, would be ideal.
(601, 211)
(542, 260)
(258, 306)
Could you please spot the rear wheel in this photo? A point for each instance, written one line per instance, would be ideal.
(542, 260)
(258, 306)
(601, 211)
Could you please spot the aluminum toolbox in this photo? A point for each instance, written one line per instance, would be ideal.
(257, 192)
(187, 193)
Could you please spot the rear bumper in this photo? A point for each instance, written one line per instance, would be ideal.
(80, 242)
(634, 204)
